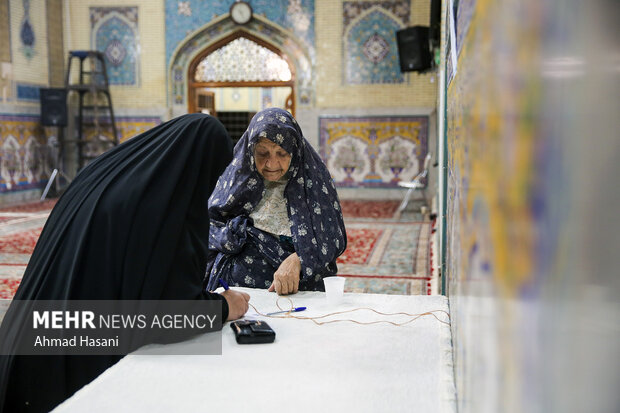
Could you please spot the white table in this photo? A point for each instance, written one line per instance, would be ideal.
(338, 367)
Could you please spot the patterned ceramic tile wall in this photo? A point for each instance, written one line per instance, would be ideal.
(369, 40)
(373, 151)
(294, 48)
(193, 25)
(532, 147)
(24, 155)
(28, 48)
(115, 34)
(184, 17)
(357, 58)
(148, 95)
(27, 155)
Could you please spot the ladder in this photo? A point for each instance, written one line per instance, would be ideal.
(95, 105)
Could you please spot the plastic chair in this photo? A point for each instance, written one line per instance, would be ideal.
(417, 183)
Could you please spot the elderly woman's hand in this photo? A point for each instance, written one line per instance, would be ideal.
(286, 277)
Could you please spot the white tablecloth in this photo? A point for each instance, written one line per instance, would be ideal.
(338, 367)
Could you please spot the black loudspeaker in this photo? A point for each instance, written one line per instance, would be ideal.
(414, 49)
(53, 106)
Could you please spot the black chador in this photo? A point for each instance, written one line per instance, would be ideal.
(133, 225)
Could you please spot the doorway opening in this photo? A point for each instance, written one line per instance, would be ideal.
(237, 77)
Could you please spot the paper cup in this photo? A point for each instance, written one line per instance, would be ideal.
(334, 289)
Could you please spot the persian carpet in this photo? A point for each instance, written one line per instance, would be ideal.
(20, 227)
(387, 252)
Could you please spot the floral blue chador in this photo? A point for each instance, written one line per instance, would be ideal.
(243, 255)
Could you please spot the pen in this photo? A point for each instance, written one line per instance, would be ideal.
(224, 284)
(294, 310)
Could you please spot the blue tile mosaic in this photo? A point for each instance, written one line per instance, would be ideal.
(301, 56)
(28, 92)
(369, 45)
(185, 17)
(115, 34)
(399, 9)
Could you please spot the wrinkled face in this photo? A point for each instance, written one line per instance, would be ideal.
(272, 161)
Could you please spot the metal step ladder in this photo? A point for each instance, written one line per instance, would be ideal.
(95, 105)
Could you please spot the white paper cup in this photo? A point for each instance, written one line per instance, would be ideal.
(334, 289)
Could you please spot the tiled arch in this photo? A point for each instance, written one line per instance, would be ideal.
(222, 28)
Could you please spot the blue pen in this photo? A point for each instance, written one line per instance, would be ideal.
(224, 284)
(294, 310)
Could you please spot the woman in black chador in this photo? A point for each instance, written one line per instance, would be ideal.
(133, 225)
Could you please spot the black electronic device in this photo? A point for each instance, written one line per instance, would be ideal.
(53, 106)
(414, 49)
(252, 332)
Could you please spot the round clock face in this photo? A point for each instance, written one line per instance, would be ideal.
(240, 12)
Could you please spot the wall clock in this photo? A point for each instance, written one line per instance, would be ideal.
(241, 12)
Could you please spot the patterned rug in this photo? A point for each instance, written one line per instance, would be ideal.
(387, 252)
(20, 227)
(46, 205)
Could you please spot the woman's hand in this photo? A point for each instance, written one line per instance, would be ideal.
(237, 303)
(286, 277)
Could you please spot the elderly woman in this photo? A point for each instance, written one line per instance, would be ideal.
(275, 216)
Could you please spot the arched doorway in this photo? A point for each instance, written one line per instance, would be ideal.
(236, 77)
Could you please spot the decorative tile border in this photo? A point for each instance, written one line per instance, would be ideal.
(24, 154)
(373, 151)
(271, 24)
(185, 17)
(400, 9)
